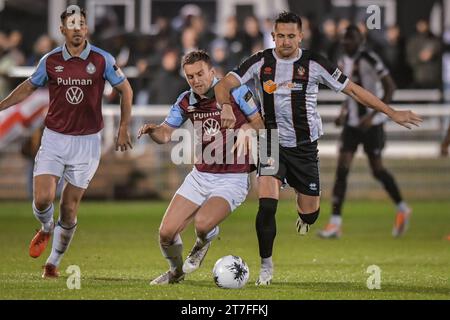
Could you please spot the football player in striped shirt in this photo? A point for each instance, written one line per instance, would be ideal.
(287, 80)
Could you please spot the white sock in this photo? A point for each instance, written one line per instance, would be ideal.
(173, 254)
(45, 217)
(267, 263)
(402, 206)
(62, 236)
(336, 219)
(201, 242)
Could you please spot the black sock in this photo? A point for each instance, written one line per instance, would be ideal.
(266, 227)
(309, 218)
(339, 190)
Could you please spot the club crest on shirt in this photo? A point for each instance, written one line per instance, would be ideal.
(301, 72)
(90, 68)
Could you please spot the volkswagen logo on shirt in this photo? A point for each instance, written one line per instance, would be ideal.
(74, 95)
(211, 127)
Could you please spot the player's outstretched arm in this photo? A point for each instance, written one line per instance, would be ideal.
(222, 91)
(160, 133)
(404, 118)
(123, 141)
(23, 91)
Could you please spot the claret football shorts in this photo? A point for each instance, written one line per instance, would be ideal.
(75, 158)
(199, 186)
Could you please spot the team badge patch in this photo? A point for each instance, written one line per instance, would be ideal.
(90, 68)
(301, 72)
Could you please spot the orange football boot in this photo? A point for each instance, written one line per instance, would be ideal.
(39, 243)
(50, 271)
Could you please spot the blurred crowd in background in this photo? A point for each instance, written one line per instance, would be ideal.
(414, 60)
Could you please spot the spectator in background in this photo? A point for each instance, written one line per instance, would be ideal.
(10, 57)
(42, 45)
(235, 41)
(253, 36)
(219, 59)
(189, 41)
(165, 37)
(393, 53)
(167, 82)
(267, 33)
(329, 44)
(204, 35)
(181, 21)
(342, 26)
(424, 55)
(306, 41)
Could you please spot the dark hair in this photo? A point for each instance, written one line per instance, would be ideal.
(289, 17)
(67, 14)
(352, 29)
(195, 56)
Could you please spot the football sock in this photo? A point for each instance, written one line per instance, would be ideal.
(266, 227)
(267, 263)
(339, 189)
(309, 218)
(402, 206)
(45, 217)
(202, 241)
(336, 219)
(62, 236)
(389, 184)
(173, 254)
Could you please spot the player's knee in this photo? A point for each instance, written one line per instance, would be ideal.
(266, 212)
(202, 227)
(166, 236)
(310, 218)
(379, 174)
(342, 172)
(43, 200)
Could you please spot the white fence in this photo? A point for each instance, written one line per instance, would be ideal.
(420, 142)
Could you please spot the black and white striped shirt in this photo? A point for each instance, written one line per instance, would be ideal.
(287, 90)
(366, 69)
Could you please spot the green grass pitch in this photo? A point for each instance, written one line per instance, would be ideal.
(116, 249)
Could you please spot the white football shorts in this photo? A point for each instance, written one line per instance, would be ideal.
(199, 186)
(75, 158)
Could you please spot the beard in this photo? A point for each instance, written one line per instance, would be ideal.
(77, 41)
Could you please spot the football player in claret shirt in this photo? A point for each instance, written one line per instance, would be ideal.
(213, 189)
(75, 74)
(287, 81)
